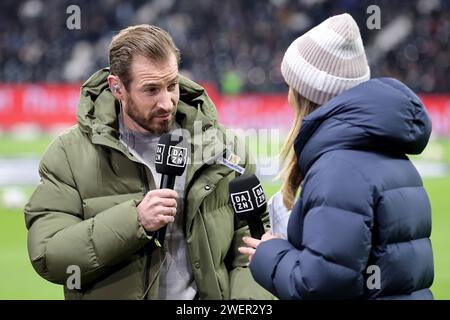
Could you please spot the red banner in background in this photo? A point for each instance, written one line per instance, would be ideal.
(255, 111)
(46, 105)
(438, 107)
(49, 105)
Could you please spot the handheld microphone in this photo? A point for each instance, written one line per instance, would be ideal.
(249, 202)
(170, 161)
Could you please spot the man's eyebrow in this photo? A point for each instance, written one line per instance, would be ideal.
(151, 84)
(159, 83)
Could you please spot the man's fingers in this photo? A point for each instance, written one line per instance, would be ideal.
(163, 193)
(166, 202)
(167, 211)
(168, 219)
(172, 211)
(251, 242)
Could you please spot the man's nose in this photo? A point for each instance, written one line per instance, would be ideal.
(165, 101)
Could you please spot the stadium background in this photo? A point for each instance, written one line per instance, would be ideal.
(234, 48)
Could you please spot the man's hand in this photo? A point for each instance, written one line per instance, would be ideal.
(157, 209)
(253, 244)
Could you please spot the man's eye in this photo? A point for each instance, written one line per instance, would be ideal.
(172, 86)
(152, 90)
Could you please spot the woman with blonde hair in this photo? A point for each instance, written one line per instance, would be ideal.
(361, 225)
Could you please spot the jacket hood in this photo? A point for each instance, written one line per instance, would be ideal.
(98, 109)
(381, 114)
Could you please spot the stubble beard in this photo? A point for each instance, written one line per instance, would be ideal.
(146, 122)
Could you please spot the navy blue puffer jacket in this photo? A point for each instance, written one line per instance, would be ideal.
(363, 214)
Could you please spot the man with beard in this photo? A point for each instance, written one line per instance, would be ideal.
(97, 207)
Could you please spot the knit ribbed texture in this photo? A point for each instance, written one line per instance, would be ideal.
(327, 60)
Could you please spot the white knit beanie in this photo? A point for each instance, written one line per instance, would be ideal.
(326, 60)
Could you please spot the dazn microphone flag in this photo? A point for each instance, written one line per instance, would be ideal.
(248, 200)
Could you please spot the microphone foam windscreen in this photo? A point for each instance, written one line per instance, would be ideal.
(171, 155)
(247, 197)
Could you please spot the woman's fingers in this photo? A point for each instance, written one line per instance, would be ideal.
(246, 250)
(269, 235)
(249, 252)
(251, 242)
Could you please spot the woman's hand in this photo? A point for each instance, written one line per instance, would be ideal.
(253, 243)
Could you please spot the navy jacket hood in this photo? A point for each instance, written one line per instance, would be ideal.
(381, 113)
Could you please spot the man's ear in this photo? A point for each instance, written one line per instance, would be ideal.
(115, 87)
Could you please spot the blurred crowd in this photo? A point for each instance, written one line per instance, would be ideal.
(237, 45)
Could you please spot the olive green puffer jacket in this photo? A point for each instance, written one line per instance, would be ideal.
(84, 213)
